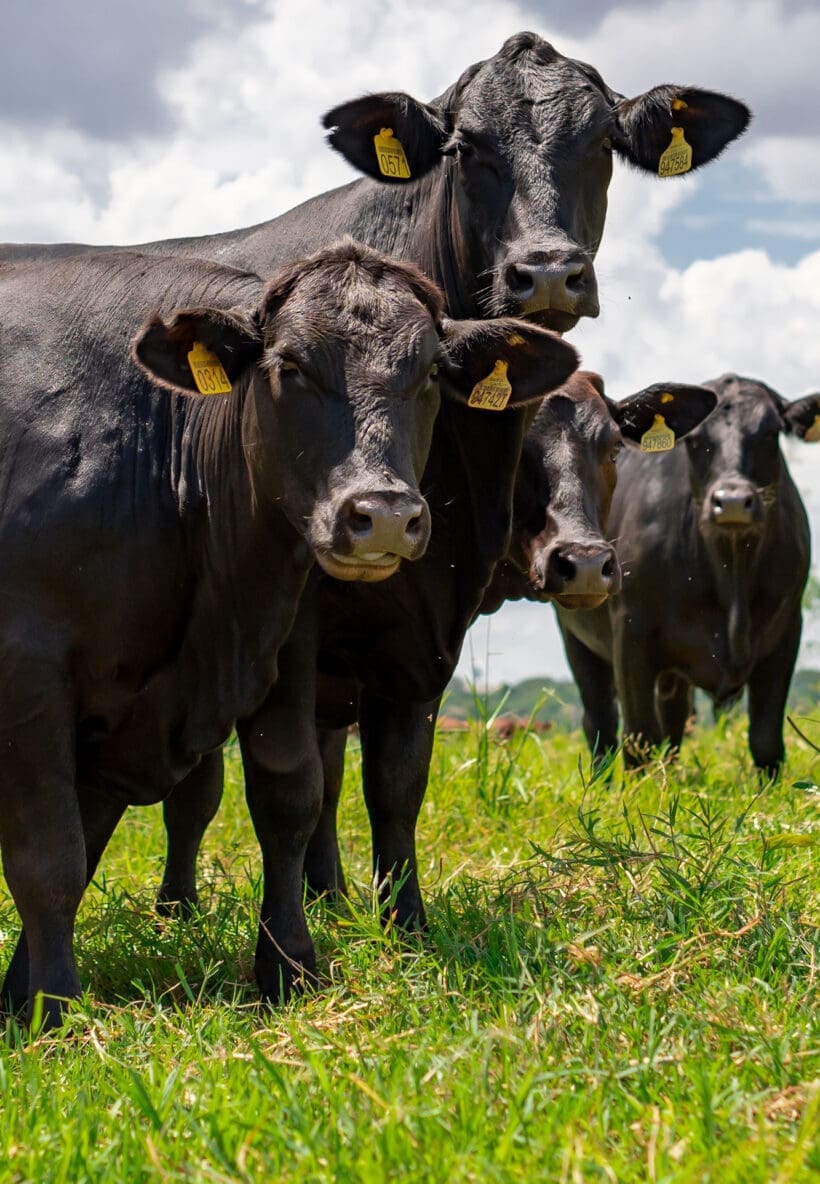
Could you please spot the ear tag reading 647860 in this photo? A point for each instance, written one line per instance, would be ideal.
(659, 438)
(493, 392)
(390, 155)
(209, 373)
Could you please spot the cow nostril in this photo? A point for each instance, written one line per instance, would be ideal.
(413, 527)
(360, 523)
(520, 281)
(564, 567)
(607, 570)
(575, 280)
(748, 502)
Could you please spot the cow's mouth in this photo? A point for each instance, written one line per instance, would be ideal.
(579, 601)
(370, 567)
(551, 318)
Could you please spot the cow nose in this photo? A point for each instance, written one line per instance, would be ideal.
(735, 504)
(389, 523)
(559, 281)
(579, 575)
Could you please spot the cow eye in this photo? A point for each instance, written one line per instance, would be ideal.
(433, 370)
(606, 144)
(616, 450)
(288, 366)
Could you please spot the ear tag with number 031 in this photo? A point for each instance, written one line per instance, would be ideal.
(659, 438)
(390, 155)
(209, 373)
(493, 392)
(813, 433)
(677, 158)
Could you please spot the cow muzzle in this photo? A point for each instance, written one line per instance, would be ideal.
(373, 532)
(576, 575)
(553, 281)
(734, 504)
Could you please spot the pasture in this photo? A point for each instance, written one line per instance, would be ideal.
(618, 984)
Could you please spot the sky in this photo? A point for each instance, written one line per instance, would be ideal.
(125, 123)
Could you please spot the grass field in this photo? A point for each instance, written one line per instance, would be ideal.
(619, 984)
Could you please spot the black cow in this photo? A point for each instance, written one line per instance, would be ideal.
(714, 545)
(558, 551)
(155, 546)
(505, 209)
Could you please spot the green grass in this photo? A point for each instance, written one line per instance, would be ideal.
(619, 984)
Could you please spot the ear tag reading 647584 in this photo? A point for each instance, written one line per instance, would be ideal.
(659, 438)
(493, 392)
(209, 373)
(813, 433)
(390, 155)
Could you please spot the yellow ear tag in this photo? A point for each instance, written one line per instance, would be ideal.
(659, 438)
(493, 392)
(678, 156)
(813, 433)
(209, 374)
(390, 155)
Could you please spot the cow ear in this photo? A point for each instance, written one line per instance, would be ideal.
(802, 418)
(218, 340)
(709, 121)
(682, 407)
(504, 363)
(418, 129)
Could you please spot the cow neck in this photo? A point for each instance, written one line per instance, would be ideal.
(733, 562)
(251, 567)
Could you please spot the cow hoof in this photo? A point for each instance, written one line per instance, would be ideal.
(280, 981)
(182, 906)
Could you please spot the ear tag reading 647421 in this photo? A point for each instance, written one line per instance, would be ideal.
(209, 373)
(493, 392)
(390, 155)
(659, 438)
(813, 433)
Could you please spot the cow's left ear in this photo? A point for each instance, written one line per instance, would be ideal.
(391, 137)
(707, 122)
(504, 363)
(682, 407)
(802, 418)
(199, 351)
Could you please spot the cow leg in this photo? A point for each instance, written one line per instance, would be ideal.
(596, 685)
(397, 744)
(768, 690)
(187, 812)
(283, 784)
(635, 675)
(673, 703)
(323, 863)
(99, 814)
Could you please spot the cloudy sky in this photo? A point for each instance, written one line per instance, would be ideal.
(122, 123)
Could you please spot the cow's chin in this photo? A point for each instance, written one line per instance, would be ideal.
(349, 567)
(548, 318)
(580, 602)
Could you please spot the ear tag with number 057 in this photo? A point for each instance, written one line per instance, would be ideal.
(493, 392)
(813, 433)
(209, 373)
(390, 155)
(677, 158)
(659, 438)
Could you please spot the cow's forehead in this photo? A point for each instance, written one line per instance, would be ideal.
(528, 84)
(744, 402)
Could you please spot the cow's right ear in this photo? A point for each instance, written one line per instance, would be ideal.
(197, 339)
(504, 363)
(419, 130)
(682, 407)
(802, 418)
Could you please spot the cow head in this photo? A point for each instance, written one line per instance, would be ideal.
(734, 456)
(567, 477)
(522, 148)
(340, 372)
